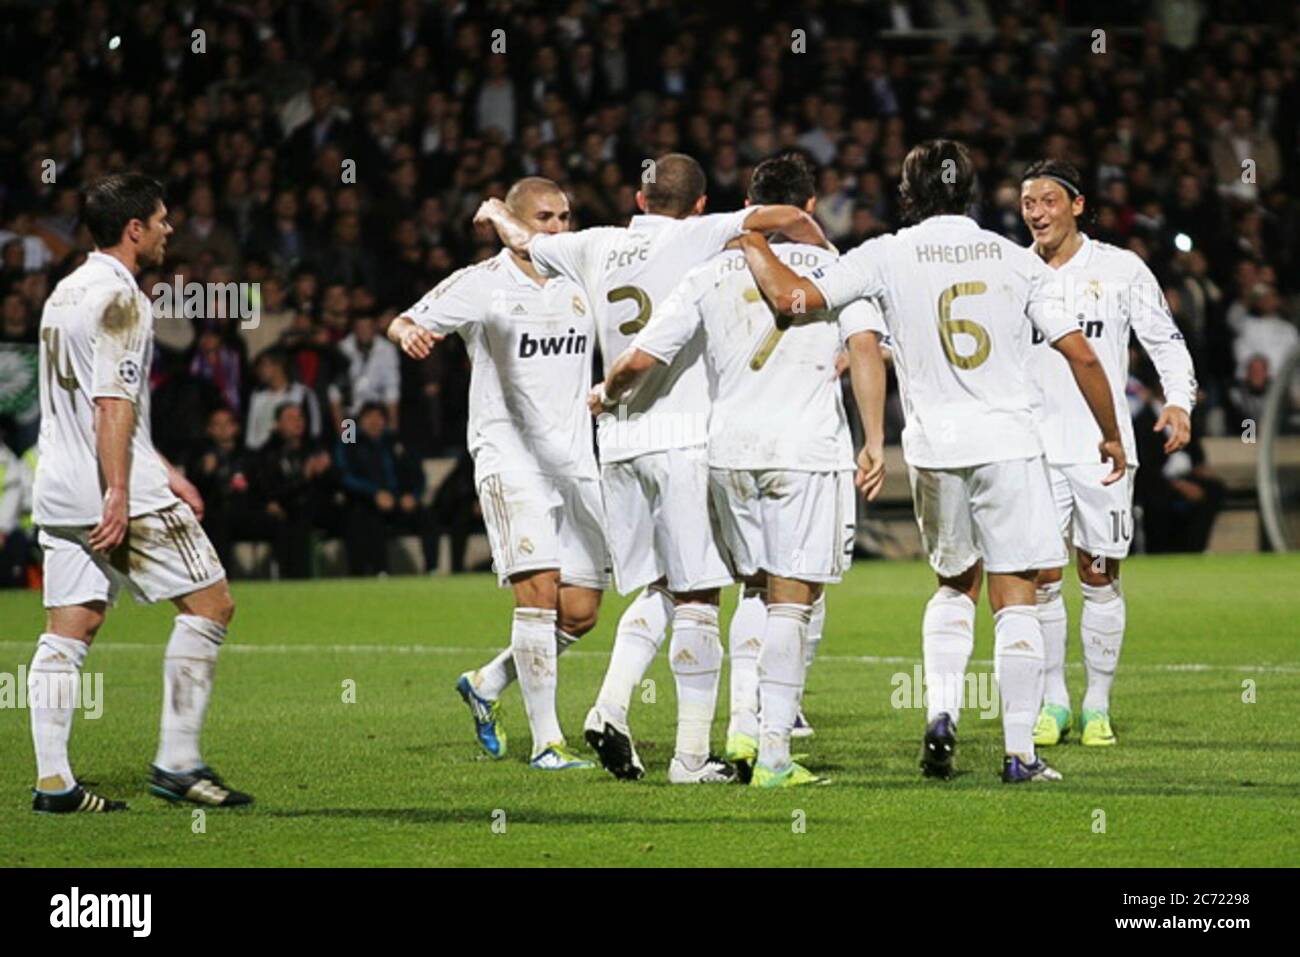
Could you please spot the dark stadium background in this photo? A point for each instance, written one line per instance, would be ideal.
(252, 138)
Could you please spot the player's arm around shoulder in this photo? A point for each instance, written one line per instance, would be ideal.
(788, 293)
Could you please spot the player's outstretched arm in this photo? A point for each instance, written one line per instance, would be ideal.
(867, 373)
(114, 424)
(627, 370)
(790, 221)
(514, 232)
(413, 339)
(788, 292)
(1091, 377)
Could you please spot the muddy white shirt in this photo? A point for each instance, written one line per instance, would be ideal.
(960, 303)
(627, 273)
(530, 349)
(777, 402)
(96, 341)
(1109, 292)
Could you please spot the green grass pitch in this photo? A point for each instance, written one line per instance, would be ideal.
(1201, 777)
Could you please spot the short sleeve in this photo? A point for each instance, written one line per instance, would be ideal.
(672, 324)
(712, 232)
(121, 345)
(571, 255)
(452, 304)
(861, 315)
(858, 274)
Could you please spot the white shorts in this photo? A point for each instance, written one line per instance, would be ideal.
(1101, 515)
(1001, 512)
(166, 554)
(657, 517)
(790, 524)
(537, 522)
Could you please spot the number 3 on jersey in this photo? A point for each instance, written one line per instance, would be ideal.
(643, 307)
(950, 327)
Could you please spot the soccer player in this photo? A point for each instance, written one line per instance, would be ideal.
(113, 512)
(779, 454)
(1110, 292)
(652, 453)
(960, 304)
(529, 339)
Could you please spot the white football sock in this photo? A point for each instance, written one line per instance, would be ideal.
(188, 666)
(745, 640)
(695, 655)
(816, 625)
(1018, 666)
(640, 634)
(532, 640)
(780, 680)
(53, 682)
(1102, 628)
(497, 675)
(1055, 623)
(947, 639)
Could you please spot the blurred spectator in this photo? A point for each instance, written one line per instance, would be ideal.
(275, 389)
(383, 487)
(374, 373)
(456, 512)
(273, 319)
(218, 362)
(294, 486)
(1179, 496)
(1264, 334)
(220, 470)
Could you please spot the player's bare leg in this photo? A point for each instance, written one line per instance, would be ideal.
(53, 686)
(1018, 667)
(695, 656)
(1053, 723)
(781, 670)
(640, 634)
(947, 639)
(1101, 628)
(745, 641)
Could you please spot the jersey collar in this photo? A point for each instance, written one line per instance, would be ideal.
(1081, 255)
(113, 263)
(951, 219)
(649, 221)
(517, 274)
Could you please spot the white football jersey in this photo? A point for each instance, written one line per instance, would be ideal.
(530, 352)
(960, 303)
(89, 351)
(776, 397)
(627, 273)
(1109, 292)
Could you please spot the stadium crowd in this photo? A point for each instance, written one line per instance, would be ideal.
(333, 154)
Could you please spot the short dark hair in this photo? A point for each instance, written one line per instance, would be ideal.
(678, 183)
(1067, 174)
(786, 179)
(938, 178)
(112, 201)
(372, 406)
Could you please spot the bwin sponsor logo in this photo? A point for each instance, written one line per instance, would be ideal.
(133, 911)
(570, 344)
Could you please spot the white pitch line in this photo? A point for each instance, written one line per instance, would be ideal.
(452, 650)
